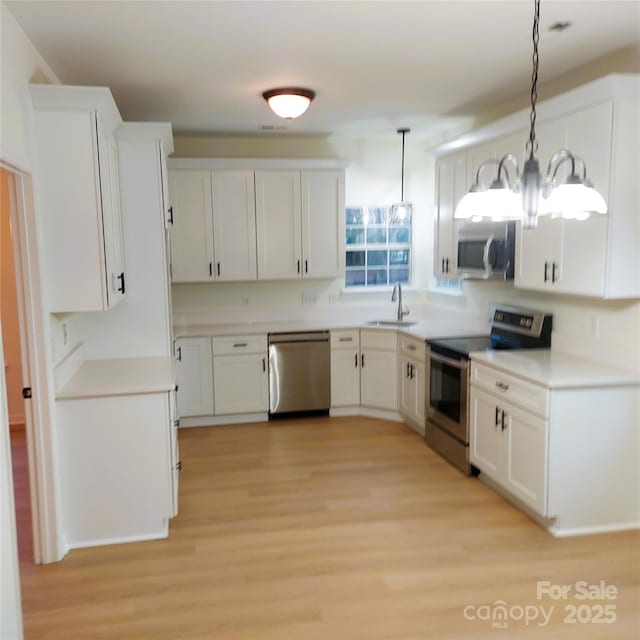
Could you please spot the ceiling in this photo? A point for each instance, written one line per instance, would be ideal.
(374, 65)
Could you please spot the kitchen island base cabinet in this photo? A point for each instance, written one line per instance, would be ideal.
(566, 456)
(117, 462)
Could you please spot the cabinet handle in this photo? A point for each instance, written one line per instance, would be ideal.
(298, 266)
(443, 271)
(356, 360)
(447, 264)
(218, 265)
(239, 345)
(554, 266)
(497, 416)
(346, 339)
(407, 374)
(502, 385)
(412, 371)
(546, 271)
(264, 365)
(411, 347)
(210, 269)
(362, 360)
(179, 354)
(504, 425)
(121, 287)
(170, 215)
(306, 266)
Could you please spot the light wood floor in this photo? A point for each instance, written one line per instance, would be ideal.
(331, 529)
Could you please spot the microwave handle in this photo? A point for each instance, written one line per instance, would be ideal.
(485, 256)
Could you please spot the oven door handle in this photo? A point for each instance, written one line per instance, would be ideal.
(485, 256)
(458, 364)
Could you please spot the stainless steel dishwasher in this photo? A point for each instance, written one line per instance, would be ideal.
(299, 372)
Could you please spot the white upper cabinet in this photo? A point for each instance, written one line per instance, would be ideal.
(451, 185)
(279, 225)
(322, 223)
(234, 225)
(192, 231)
(79, 197)
(599, 257)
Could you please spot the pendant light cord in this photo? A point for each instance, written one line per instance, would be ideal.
(531, 144)
(402, 171)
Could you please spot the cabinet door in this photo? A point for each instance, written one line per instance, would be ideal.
(322, 223)
(379, 379)
(419, 375)
(112, 218)
(278, 221)
(527, 457)
(537, 250)
(584, 249)
(345, 378)
(234, 225)
(194, 372)
(486, 445)
(240, 383)
(407, 388)
(174, 452)
(192, 233)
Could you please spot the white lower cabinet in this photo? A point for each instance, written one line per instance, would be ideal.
(510, 446)
(118, 467)
(194, 371)
(412, 377)
(345, 368)
(379, 369)
(240, 375)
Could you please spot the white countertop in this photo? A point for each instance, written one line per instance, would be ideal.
(556, 369)
(439, 326)
(131, 376)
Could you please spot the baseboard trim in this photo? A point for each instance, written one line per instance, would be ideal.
(155, 535)
(593, 529)
(216, 421)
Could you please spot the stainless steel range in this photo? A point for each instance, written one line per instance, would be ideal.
(447, 428)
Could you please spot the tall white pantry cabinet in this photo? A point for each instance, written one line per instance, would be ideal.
(244, 220)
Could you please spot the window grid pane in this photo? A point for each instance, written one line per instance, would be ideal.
(378, 248)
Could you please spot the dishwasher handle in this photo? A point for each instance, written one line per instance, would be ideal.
(311, 336)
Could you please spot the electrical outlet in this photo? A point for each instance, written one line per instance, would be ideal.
(245, 301)
(309, 298)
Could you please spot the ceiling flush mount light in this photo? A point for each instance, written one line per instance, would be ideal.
(289, 102)
(531, 194)
(402, 210)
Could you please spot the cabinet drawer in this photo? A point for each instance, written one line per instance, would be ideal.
(385, 340)
(527, 395)
(345, 339)
(413, 348)
(229, 345)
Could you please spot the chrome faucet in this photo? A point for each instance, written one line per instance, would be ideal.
(402, 311)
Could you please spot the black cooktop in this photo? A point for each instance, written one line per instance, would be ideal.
(460, 348)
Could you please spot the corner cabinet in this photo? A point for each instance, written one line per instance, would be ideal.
(255, 220)
(379, 369)
(79, 197)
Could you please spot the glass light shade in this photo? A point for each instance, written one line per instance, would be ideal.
(575, 201)
(469, 206)
(289, 106)
(401, 211)
(495, 204)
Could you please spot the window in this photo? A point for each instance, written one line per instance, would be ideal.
(378, 247)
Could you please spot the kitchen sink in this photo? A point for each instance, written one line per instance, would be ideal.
(391, 323)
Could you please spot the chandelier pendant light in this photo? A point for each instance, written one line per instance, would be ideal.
(531, 194)
(402, 210)
(289, 102)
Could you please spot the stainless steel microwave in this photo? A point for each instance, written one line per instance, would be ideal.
(486, 250)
